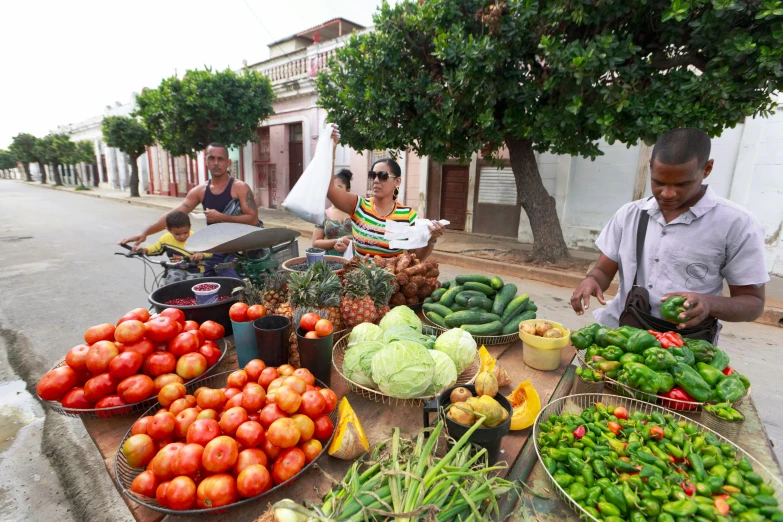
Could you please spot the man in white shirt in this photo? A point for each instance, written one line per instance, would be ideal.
(695, 239)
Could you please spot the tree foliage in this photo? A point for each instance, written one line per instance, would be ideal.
(23, 149)
(127, 134)
(56, 150)
(448, 78)
(7, 160)
(185, 115)
(85, 151)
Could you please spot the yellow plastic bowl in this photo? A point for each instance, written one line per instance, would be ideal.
(543, 353)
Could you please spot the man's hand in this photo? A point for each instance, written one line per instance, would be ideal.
(196, 257)
(136, 240)
(586, 288)
(213, 216)
(699, 307)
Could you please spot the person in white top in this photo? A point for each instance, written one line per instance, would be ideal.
(695, 240)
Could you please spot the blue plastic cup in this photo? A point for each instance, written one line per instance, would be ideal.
(245, 340)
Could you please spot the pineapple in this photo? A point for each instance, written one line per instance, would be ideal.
(328, 301)
(248, 294)
(381, 288)
(275, 293)
(357, 305)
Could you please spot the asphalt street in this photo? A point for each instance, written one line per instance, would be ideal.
(59, 275)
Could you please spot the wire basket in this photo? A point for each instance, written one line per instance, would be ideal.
(485, 340)
(124, 474)
(576, 403)
(727, 428)
(338, 355)
(671, 404)
(138, 407)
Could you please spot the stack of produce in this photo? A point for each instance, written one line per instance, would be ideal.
(480, 305)
(400, 361)
(524, 399)
(240, 312)
(214, 447)
(636, 467)
(467, 409)
(368, 292)
(131, 362)
(415, 280)
(663, 364)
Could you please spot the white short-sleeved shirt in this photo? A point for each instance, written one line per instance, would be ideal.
(714, 240)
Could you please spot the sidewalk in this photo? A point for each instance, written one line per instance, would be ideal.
(474, 251)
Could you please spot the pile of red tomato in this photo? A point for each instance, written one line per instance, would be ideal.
(242, 313)
(314, 326)
(130, 362)
(214, 447)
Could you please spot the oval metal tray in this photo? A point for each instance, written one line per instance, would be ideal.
(486, 340)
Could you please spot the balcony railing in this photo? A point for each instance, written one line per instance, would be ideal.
(296, 66)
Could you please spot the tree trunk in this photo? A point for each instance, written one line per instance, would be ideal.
(134, 177)
(76, 177)
(548, 242)
(58, 181)
(27, 176)
(95, 180)
(42, 168)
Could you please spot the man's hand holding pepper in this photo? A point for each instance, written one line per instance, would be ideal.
(698, 307)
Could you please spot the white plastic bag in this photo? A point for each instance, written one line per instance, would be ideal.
(348, 254)
(308, 196)
(408, 237)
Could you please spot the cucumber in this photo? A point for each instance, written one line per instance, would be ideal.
(504, 296)
(446, 284)
(480, 302)
(513, 325)
(462, 279)
(437, 308)
(437, 294)
(481, 287)
(463, 297)
(477, 309)
(515, 307)
(493, 328)
(428, 300)
(435, 318)
(467, 317)
(496, 283)
(457, 308)
(447, 299)
(531, 307)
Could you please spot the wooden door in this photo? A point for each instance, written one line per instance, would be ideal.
(454, 195)
(295, 154)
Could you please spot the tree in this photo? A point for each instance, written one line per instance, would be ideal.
(452, 77)
(7, 162)
(185, 115)
(131, 137)
(56, 150)
(85, 153)
(23, 149)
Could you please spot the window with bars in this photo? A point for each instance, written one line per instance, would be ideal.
(262, 148)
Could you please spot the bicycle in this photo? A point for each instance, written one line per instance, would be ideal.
(173, 271)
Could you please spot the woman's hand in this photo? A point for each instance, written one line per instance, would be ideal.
(335, 138)
(436, 230)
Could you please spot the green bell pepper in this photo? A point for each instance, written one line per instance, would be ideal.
(672, 308)
(691, 382)
(683, 354)
(600, 336)
(667, 382)
(609, 368)
(730, 389)
(583, 338)
(721, 360)
(640, 341)
(613, 353)
(709, 373)
(616, 339)
(641, 377)
(631, 357)
(628, 331)
(745, 380)
(659, 359)
(592, 351)
(703, 351)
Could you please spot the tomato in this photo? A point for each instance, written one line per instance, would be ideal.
(145, 484)
(297, 384)
(323, 427)
(248, 457)
(175, 314)
(250, 434)
(199, 390)
(76, 357)
(99, 387)
(266, 376)
(306, 426)
(125, 365)
(230, 394)
(161, 464)
(270, 450)
(142, 314)
(145, 347)
(311, 335)
(162, 425)
(139, 450)
(183, 343)
(181, 493)
(256, 311)
(100, 356)
(220, 454)
(312, 448)
(101, 332)
(202, 431)
(136, 388)
(131, 331)
(183, 421)
(160, 494)
(190, 326)
(289, 463)
(331, 400)
(212, 330)
(232, 419)
(188, 460)
(237, 379)
(159, 363)
(313, 388)
(183, 403)
(313, 404)
(191, 365)
(238, 312)
(286, 370)
(167, 378)
(283, 433)
(305, 375)
(111, 401)
(287, 399)
(270, 413)
(253, 480)
(197, 334)
(56, 383)
(208, 414)
(253, 398)
(170, 393)
(161, 329)
(254, 368)
(140, 426)
(75, 399)
(217, 490)
(620, 413)
(211, 399)
(308, 321)
(211, 352)
(324, 328)
(656, 432)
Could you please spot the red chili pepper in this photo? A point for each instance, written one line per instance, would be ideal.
(721, 505)
(670, 339)
(625, 459)
(615, 428)
(675, 460)
(724, 496)
(688, 488)
(579, 432)
(656, 432)
(621, 413)
(655, 334)
(677, 394)
(728, 370)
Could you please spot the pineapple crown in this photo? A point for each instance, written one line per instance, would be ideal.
(356, 284)
(302, 290)
(380, 281)
(276, 281)
(248, 294)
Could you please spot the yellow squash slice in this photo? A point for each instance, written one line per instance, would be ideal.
(526, 404)
(349, 441)
(491, 365)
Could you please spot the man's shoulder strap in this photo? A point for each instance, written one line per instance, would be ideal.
(641, 234)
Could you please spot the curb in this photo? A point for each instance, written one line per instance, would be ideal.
(90, 194)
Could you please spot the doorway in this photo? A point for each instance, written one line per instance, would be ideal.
(454, 195)
(295, 154)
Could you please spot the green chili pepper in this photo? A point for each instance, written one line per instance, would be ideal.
(750, 516)
(648, 471)
(674, 451)
(680, 508)
(650, 507)
(734, 478)
(665, 517)
(658, 418)
(661, 495)
(697, 464)
(672, 308)
(563, 480)
(608, 510)
(624, 467)
(707, 511)
(599, 467)
(613, 518)
(715, 483)
(736, 506)
(709, 461)
(575, 464)
(631, 498)
(752, 477)
(637, 516)
(766, 500)
(750, 489)
(577, 491)
(594, 512)
(679, 437)
(550, 464)
(592, 495)
(745, 500)
(587, 474)
(728, 450)
(647, 458)
(703, 489)
(615, 496)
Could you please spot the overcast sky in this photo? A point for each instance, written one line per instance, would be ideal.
(63, 61)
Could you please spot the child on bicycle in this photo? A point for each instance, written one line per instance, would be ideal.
(172, 243)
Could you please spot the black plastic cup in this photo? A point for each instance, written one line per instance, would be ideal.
(272, 333)
(316, 355)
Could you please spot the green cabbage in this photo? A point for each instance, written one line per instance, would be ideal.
(459, 345)
(403, 332)
(400, 315)
(357, 363)
(364, 332)
(403, 369)
(445, 374)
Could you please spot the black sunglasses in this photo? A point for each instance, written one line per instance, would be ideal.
(382, 176)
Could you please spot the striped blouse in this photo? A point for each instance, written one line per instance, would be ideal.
(369, 228)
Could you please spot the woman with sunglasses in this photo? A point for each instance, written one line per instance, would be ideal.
(369, 216)
(335, 234)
